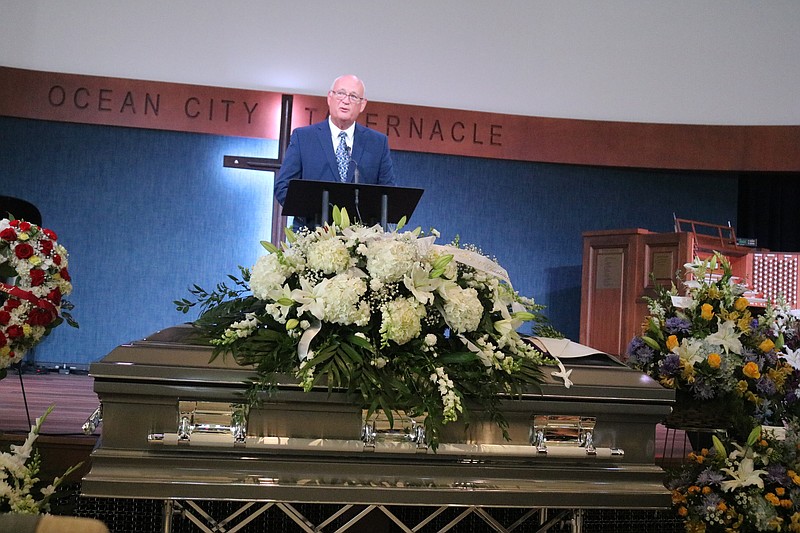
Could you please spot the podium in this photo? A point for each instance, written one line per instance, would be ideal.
(622, 268)
(367, 203)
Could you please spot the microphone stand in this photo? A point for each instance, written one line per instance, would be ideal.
(356, 181)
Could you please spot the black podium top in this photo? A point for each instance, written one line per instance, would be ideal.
(304, 198)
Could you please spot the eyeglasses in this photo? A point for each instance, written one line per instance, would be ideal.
(341, 95)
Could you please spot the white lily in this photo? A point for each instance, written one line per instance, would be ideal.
(361, 233)
(726, 337)
(311, 298)
(744, 476)
(792, 357)
(421, 285)
(690, 350)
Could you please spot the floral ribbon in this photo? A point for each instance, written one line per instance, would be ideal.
(22, 294)
(474, 260)
(305, 340)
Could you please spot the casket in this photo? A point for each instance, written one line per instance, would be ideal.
(177, 426)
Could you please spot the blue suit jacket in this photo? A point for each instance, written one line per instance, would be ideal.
(310, 156)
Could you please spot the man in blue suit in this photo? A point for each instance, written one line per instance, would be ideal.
(336, 148)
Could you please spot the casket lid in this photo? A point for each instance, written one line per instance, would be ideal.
(170, 355)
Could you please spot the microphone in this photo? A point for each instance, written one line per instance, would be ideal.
(356, 170)
(356, 181)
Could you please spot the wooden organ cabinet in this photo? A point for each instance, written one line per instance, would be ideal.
(617, 268)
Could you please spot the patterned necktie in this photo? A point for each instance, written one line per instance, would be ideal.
(342, 157)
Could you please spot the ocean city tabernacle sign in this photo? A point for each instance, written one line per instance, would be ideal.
(252, 113)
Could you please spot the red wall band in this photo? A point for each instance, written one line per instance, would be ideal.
(249, 113)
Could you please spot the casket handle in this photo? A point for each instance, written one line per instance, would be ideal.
(94, 421)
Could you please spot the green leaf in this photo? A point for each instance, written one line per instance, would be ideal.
(361, 342)
(435, 273)
(290, 235)
(651, 343)
(7, 271)
(401, 223)
(268, 246)
(351, 353)
(457, 357)
(322, 356)
(337, 216)
(780, 342)
(754, 436)
(721, 453)
(442, 261)
(524, 316)
(345, 220)
(654, 327)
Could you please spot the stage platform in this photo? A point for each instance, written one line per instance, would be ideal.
(63, 443)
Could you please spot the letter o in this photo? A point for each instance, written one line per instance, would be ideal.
(57, 90)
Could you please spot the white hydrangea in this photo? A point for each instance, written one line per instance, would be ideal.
(294, 259)
(401, 320)
(462, 308)
(389, 260)
(329, 256)
(267, 275)
(342, 300)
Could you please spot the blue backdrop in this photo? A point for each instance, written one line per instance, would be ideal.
(145, 214)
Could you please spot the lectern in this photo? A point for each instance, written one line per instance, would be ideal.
(367, 203)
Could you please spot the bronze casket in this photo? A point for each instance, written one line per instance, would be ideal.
(174, 426)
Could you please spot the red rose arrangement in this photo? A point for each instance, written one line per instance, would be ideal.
(33, 282)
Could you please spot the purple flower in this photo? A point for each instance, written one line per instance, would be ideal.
(710, 501)
(678, 326)
(776, 473)
(702, 389)
(755, 356)
(771, 358)
(766, 387)
(671, 365)
(639, 352)
(710, 476)
(792, 396)
(680, 479)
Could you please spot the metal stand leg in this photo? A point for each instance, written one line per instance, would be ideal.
(167, 511)
(24, 397)
(577, 521)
